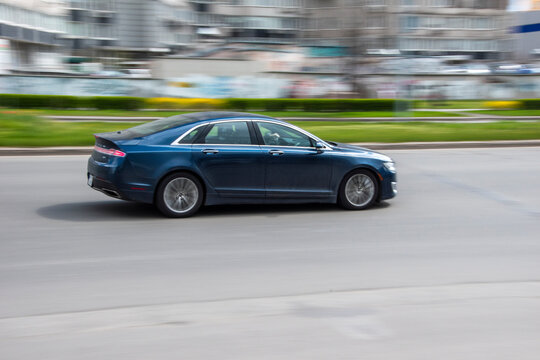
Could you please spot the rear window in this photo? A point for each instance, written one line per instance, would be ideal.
(160, 125)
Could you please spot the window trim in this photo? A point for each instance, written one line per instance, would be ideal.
(252, 138)
(210, 125)
(315, 139)
(261, 138)
(253, 127)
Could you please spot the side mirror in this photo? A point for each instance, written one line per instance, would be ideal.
(319, 146)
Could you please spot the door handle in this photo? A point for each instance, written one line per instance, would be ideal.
(210, 151)
(275, 152)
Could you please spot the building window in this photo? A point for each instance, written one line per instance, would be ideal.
(408, 2)
(440, 3)
(77, 15)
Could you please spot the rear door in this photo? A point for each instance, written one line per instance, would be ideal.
(228, 156)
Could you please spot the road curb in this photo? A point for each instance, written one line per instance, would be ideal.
(61, 150)
(86, 150)
(449, 145)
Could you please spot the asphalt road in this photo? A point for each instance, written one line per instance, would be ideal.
(450, 269)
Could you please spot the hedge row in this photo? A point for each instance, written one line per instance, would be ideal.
(22, 101)
(316, 105)
(530, 104)
(136, 103)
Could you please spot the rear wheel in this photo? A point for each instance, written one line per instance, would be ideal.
(179, 195)
(358, 190)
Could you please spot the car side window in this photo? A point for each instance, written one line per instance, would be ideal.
(192, 135)
(275, 134)
(231, 132)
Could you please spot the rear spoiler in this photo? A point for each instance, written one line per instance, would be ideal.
(106, 146)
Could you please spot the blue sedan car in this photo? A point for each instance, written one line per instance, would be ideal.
(182, 162)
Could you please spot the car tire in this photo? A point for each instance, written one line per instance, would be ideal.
(179, 195)
(359, 190)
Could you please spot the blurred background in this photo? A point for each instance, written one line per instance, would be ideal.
(448, 270)
(422, 49)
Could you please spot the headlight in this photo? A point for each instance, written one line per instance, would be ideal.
(390, 166)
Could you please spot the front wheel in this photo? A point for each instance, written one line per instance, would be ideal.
(179, 195)
(358, 190)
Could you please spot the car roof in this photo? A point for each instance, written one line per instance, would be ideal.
(207, 116)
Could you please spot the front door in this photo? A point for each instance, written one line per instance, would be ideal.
(294, 167)
(230, 159)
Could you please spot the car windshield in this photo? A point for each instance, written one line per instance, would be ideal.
(160, 125)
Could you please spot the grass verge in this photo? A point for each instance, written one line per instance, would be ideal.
(28, 131)
(421, 131)
(509, 112)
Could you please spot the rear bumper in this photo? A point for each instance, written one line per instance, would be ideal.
(102, 185)
(104, 177)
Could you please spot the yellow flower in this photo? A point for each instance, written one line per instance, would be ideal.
(184, 104)
(499, 105)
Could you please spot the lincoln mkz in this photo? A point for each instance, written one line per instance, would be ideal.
(183, 162)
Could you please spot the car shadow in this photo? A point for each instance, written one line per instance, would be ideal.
(99, 211)
(125, 210)
(273, 210)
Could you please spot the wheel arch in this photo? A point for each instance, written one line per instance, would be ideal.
(368, 168)
(180, 170)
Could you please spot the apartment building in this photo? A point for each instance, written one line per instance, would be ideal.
(477, 28)
(260, 21)
(134, 28)
(144, 28)
(30, 33)
(90, 25)
(108, 29)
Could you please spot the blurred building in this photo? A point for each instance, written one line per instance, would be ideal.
(148, 28)
(90, 25)
(142, 28)
(109, 31)
(526, 35)
(133, 28)
(258, 21)
(476, 28)
(30, 34)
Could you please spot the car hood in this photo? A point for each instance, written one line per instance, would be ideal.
(360, 151)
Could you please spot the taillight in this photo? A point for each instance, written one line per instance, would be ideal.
(112, 152)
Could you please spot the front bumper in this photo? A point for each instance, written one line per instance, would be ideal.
(388, 186)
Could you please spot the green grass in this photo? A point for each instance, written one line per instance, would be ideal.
(369, 114)
(278, 114)
(415, 131)
(25, 130)
(509, 112)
